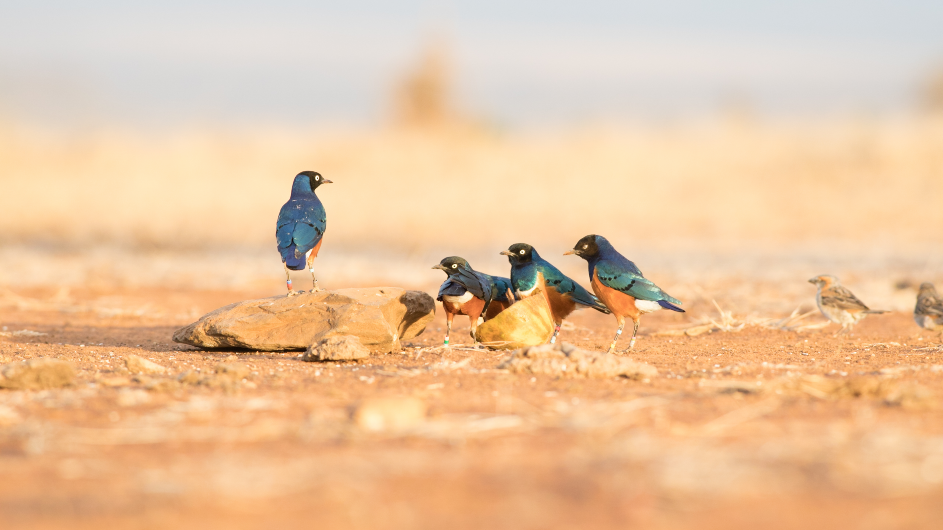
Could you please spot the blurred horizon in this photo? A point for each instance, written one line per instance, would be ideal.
(449, 125)
(527, 65)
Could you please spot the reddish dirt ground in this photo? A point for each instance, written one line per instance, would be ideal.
(753, 428)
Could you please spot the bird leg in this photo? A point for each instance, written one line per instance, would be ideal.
(288, 281)
(634, 333)
(556, 331)
(511, 298)
(616, 339)
(473, 322)
(314, 279)
(448, 329)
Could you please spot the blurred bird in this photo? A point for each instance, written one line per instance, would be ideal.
(620, 285)
(301, 225)
(466, 291)
(929, 310)
(563, 294)
(838, 304)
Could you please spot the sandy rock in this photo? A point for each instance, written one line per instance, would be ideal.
(35, 374)
(336, 348)
(526, 323)
(390, 414)
(380, 317)
(140, 365)
(569, 361)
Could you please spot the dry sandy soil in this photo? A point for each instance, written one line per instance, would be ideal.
(756, 428)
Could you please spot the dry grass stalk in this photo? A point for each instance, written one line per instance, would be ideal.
(727, 323)
(791, 323)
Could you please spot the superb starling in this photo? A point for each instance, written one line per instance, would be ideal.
(563, 294)
(620, 285)
(301, 225)
(469, 292)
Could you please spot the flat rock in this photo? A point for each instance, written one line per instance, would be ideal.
(37, 374)
(564, 360)
(336, 348)
(380, 317)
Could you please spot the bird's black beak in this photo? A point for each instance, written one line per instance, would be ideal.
(325, 181)
(440, 266)
(814, 280)
(570, 253)
(506, 253)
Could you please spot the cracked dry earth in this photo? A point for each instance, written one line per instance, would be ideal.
(757, 428)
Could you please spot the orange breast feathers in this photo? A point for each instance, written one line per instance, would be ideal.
(621, 304)
(560, 305)
(471, 308)
(495, 308)
(317, 248)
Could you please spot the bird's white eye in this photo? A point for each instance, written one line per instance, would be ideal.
(585, 247)
(317, 177)
(455, 265)
(522, 251)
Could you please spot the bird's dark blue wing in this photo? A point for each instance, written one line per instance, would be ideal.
(635, 285)
(450, 288)
(476, 283)
(300, 226)
(502, 285)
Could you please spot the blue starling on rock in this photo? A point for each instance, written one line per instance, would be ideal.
(466, 291)
(620, 284)
(563, 294)
(301, 225)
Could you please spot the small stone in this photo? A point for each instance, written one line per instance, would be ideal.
(190, 377)
(114, 381)
(36, 374)
(390, 414)
(234, 371)
(568, 361)
(336, 348)
(140, 365)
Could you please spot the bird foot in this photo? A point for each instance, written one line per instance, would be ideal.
(293, 293)
(316, 290)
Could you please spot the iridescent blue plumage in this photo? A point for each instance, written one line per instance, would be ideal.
(301, 222)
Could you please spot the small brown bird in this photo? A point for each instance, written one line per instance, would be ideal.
(929, 310)
(838, 304)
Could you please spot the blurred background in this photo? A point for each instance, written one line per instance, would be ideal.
(154, 142)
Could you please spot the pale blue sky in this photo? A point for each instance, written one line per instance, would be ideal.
(176, 63)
